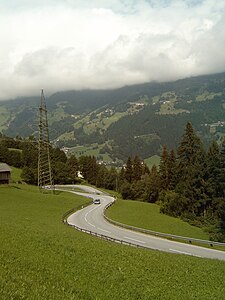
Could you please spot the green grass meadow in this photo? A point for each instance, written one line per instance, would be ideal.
(147, 215)
(15, 174)
(153, 160)
(92, 150)
(41, 258)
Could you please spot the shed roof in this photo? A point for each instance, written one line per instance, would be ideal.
(4, 168)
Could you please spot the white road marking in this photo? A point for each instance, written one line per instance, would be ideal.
(88, 213)
(126, 237)
(103, 230)
(92, 209)
(122, 230)
(90, 224)
(183, 252)
(85, 217)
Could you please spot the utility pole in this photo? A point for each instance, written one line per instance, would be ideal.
(44, 163)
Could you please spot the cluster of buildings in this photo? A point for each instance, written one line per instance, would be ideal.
(214, 126)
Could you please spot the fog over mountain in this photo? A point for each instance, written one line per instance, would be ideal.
(62, 45)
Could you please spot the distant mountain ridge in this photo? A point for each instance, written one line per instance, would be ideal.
(113, 124)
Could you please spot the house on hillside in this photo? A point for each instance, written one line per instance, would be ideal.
(5, 173)
(79, 175)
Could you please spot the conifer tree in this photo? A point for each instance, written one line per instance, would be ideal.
(122, 174)
(152, 185)
(101, 177)
(89, 168)
(190, 149)
(164, 169)
(213, 171)
(222, 169)
(172, 177)
(137, 168)
(222, 220)
(73, 166)
(191, 171)
(111, 179)
(4, 153)
(128, 174)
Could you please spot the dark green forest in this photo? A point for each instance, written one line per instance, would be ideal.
(189, 182)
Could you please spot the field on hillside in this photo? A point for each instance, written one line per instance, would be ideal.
(41, 258)
(153, 160)
(92, 149)
(85, 150)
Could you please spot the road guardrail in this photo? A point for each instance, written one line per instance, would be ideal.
(160, 234)
(99, 235)
(142, 230)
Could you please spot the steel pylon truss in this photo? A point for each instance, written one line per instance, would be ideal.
(44, 163)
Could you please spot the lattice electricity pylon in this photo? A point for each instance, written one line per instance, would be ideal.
(44, 163)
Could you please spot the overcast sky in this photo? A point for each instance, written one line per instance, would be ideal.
(77, 44)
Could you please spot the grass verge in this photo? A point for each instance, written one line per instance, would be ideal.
(147, 216)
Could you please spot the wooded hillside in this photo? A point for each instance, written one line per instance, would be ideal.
(133, 120)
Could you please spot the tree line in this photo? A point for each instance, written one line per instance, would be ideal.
(23, 153)
(188, 183)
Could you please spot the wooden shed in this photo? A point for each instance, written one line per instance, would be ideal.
(5, 173)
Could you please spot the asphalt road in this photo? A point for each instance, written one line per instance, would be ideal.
(91, 218)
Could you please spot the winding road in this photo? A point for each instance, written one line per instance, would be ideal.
(91, 218)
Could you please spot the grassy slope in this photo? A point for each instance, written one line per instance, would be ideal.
(207, 96)
(167, 107)
(146, 215)
(40, 258)
(88, 150)
(102, 122)
(153, 160)
(16, 174)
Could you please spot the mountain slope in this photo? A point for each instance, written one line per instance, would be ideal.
(136, 119)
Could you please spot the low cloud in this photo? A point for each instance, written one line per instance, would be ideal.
(76, 46)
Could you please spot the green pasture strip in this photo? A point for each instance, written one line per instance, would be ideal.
(16, 150)
(102, 122)
(153, 160)
(66, 136)
(41, 258)
(57, 115)
(147, 216)
(92, 149)
(207, 96)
